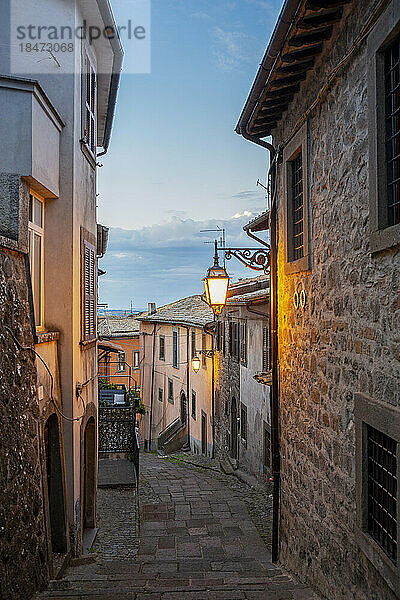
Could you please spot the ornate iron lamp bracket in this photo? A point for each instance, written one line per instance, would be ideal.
(257, 259)
(208, 353)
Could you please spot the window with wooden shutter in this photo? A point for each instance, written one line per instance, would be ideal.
(243, 343)
(266, 350)
(89, 291)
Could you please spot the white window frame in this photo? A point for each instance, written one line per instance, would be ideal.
(35, 229)
(89, 104)
(135, 355)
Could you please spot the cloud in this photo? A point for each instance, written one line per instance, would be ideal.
(166, 261)
(228, 49)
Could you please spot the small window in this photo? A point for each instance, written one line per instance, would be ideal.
(243, 343)
(296, 205)
(121, 362)
(89, 291)
(36, 252)
(170, 391)
(89, 102)
(392, 131)
(193, 404)
(234, 339)
(193, 343)
(266, 350)
(382, 490)
(135, 359)
(160, 394)
(243, 422)
(175, 348)
(161, 348)
(203, 350)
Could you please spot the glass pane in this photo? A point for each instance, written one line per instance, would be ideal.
(37, 279)
(38, 213)
(31, 208)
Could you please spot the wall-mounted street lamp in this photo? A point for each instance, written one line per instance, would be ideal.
(196, 359)
(217, 280)
(216, 285)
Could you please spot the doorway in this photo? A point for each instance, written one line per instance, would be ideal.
(183, 408)
(234, 429)
(203, 433)
(55, 490)
(89, 474)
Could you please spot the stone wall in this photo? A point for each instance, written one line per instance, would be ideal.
(23, 554)
(227, 386)
(345, 340)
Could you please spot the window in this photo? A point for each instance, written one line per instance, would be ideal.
(160, 394)
(296, 205)
(266, 350)
(377, 429)
(392, 131)
(170, 391)
(223, 338)
(89, 107)
(382, 490)
(89, 291)
(297, 208)
(384, 130)
(121, 362)
(234, 339)
(243, 343)
(175, 348)
(161, 348)
(243, 422)
(203, 350)
(193, 404)
(36, 238)
(135, 359)
(193, 343)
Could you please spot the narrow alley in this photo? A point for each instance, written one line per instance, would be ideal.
(196, 541)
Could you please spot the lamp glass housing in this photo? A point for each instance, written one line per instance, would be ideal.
(216, 288)
(196, 364)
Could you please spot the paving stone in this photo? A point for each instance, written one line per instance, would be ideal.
(197, 542)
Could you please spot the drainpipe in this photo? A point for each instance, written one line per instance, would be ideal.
(152, 386)
(213, 396)
(188, 385)
(274, 392)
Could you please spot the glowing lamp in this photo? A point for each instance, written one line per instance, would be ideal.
(216, 285)
(196, 364)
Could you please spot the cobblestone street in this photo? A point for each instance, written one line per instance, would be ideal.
(197, 541)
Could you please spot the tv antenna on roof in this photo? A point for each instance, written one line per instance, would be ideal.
(222, 238)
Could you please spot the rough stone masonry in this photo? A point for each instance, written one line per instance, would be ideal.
(345, 341)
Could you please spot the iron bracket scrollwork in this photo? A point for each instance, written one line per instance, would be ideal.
(208, 353)
(254, 258)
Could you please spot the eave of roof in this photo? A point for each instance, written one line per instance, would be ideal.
(298, 38)
(256, 296)
(260, 223)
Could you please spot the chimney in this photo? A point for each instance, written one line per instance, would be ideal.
(151, 308)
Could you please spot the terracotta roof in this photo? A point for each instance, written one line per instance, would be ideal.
(250, 297)
(259, 223)
(115, 327)
(188, 311)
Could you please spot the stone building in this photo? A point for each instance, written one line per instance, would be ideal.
(242, 415)
(179, 401)
(53, 122)
(327, 92)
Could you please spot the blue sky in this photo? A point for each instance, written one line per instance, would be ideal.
(175, 163)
